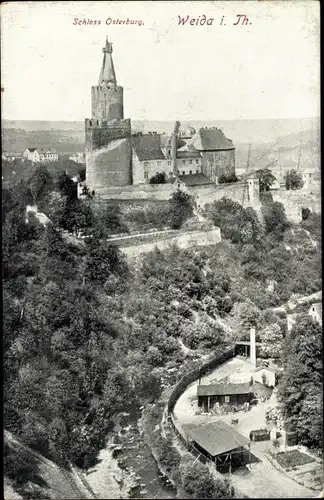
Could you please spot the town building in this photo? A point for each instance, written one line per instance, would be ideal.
(223, 394)
(148, 158)
(40, 156)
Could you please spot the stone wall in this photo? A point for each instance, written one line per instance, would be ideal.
(295, 201)
(165, 241)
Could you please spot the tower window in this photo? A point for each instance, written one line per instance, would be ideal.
(169, 152)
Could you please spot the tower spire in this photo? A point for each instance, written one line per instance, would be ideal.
(107, 73)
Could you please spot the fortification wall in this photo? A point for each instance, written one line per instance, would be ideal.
(163, 242)
(246, 194)
(295, 201)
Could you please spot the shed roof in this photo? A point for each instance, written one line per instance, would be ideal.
(147, 147)
(195, 179)
(223, 389)
(216, 437)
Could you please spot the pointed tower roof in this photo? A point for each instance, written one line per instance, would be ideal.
(107, 73)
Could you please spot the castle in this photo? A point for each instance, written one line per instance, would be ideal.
(115, 157)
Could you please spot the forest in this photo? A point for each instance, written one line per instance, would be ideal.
(88, 334)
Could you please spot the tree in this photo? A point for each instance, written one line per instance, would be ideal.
(293, 179)
(67, 187)
(197, 482)
(272, 342)
(181, 208)
(266, 179)
(158, 178)
(40, 184)
(227, 178)
(275, 219)
(300, 387)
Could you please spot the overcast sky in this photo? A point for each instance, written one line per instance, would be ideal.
(266, 69)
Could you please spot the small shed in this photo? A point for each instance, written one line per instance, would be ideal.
(220, 443)
(223, 394)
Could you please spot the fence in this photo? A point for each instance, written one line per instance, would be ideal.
(196, 373)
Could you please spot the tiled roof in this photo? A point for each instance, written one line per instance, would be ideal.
(147, 147)
(222, 389)
(211, 139)
(188, 154)
(195, 179)
(216, 437)
(31, 150)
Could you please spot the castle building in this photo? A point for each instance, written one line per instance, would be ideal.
(116, 157)
(108, 134)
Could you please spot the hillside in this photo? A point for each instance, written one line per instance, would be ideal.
(47, 480)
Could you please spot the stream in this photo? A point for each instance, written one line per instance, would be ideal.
(132, 468)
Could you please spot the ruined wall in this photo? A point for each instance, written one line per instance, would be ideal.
(295, 201)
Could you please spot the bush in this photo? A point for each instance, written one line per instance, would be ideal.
(158, 178)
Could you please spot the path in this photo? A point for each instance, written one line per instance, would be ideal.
(263, 480)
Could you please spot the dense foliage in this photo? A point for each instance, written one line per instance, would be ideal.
(293, 179)
(86, 335)
(266, 179)
(301, 385)
(159, 178)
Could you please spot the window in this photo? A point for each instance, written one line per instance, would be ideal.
(145, 175)
(183, 172)
(169, 152)
(158, 163)
(146, 164)
(197, 171)
(169, 163)
(184, 162)
(190, 172)
(197, 161)
(226, 399)
(190, 162)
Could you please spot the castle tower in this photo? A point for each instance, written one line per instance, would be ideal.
(108, 134)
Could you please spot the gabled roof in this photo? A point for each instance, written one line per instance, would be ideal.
(195, 180)
(216, 437)
(223, 389)
(317, 308)
(147, 147)
(211, 139)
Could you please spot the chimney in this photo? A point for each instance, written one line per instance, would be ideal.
(252, 348)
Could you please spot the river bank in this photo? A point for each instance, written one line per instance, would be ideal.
(126, 467)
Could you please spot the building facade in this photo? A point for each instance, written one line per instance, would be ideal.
(40, 156)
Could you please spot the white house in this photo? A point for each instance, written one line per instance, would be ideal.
(31, 154)
(40, 156)
(315, 311)
(265, 375)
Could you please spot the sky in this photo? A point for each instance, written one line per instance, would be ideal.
(265, 69)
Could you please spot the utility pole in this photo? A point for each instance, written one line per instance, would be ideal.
(246, 173)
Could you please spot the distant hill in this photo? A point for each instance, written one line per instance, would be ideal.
(240, 131)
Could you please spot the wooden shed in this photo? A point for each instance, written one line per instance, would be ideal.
(223, 394)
